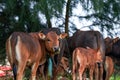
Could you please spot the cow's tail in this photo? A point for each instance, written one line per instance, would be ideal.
(101, 45)
(74, 62)
(98, 43)
(10, 50)
(14, 67)
(11, 58)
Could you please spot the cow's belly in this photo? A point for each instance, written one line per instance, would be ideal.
(29, 62)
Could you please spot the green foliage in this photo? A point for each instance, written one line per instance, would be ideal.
(22, 15)
(50, 8)
(106, 13)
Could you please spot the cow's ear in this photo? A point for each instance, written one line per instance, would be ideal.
(115, 39)
(63, 35)
(42, 36)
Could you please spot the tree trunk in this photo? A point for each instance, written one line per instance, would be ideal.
(49, 24)
(67, 17)
(47, 15)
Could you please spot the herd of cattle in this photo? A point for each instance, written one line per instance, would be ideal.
(49, 52)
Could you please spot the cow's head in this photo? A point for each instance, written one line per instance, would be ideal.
(109, 43)
(65, 64)
(52, 41)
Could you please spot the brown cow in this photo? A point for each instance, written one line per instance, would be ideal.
(25, 49)
(65, 64)
(112, 53)
(62, 68)
(109, 67)
(85, 58)
(63, 44)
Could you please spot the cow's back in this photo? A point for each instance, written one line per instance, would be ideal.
(20, 41)
(116, 49)
(92, 39)
(31, 44)
(88, 55)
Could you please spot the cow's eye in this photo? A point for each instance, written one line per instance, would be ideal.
(48, 39)
(59, 39)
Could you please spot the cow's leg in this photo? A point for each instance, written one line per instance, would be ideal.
(101, 72)
(81, 70)
(34, 70)
(45, 71)
(39, 73)
(54, 77)
(20, 70)
(96, 72)
(19, 57)
(84, 75)
(107, 76)
(106, 71)
(74, 72)
(91, 73)
(41, 69)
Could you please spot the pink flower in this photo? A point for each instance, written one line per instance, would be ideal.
(2, 73)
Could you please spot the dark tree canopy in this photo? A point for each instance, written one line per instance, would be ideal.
(24, 15)
(106, 13)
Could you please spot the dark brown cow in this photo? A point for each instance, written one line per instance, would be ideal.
(92, 39)
(25, 49)
(109, 43)
(85, 58)
(112, 50)
(109, 67)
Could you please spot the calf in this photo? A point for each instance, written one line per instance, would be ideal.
(25, 49)
(85, 58)
(65, 64)
(62, 68)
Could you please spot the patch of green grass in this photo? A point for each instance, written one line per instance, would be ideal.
(116, 77)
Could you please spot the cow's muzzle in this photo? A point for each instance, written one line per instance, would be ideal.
(68, 70)
(56, 49)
